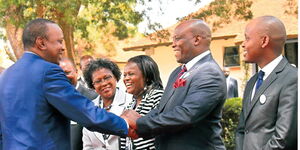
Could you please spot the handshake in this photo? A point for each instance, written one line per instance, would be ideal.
(131, 117)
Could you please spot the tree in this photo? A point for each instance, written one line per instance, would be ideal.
(223, 10)
(115, 14)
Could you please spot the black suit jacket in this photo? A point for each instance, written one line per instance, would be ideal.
(232, 87)
(188, 117)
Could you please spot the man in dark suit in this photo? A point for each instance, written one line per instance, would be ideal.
(232, 85)
(71, 72)
(188, 116)
(37, 101)
(269, 115)
(83, 63)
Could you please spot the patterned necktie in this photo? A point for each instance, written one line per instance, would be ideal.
(177, 82)
(259, 80)
(183, 70)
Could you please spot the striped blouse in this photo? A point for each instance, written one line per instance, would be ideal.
(148, 102)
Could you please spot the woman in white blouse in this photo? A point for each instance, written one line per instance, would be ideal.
(103, 75)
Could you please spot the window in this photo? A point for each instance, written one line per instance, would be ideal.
(231, 56)
(291, 51)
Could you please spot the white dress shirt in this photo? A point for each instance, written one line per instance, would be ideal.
(268, 70)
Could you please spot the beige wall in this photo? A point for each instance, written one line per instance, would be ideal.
(165, 59)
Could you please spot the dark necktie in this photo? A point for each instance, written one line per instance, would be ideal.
(259, 80)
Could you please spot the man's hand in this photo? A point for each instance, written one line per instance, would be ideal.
(131, 116)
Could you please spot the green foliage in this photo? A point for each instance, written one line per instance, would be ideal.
(77, 15)
(223, 12)
(231, 112)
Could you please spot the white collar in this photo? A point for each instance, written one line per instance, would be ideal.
(192, 62)
(271, 66)
(77, 85)
(119, 99)
(30, 52)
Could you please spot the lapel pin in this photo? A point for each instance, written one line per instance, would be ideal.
(262, 99)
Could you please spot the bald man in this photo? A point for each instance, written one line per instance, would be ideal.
(188, 116)
(269, 115)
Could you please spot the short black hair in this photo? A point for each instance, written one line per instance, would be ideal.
(149, 70)
(99, 64)
(35, 28)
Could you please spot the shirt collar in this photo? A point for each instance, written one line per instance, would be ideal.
(192, 62)
(30, 52)
(271, 66)
(77, 86)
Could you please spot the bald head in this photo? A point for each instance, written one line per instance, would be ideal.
(197, 27)
(191, 38)
(273, 28)
(70, 70)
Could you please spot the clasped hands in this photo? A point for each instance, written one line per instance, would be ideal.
(131, 117)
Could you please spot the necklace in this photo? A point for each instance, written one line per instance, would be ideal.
(107, 107)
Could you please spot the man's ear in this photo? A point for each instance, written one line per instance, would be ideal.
(198, 39)
(265, 41)
(40, 43)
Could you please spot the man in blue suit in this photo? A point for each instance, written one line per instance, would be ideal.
(37, 100)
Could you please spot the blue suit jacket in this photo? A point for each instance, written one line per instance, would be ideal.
(188, 117)
(37, 102)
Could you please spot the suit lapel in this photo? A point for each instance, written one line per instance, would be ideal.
(99, 137)
(270, 79)
(170, 89)
(248, 93)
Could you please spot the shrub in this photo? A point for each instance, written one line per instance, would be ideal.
(231, 113)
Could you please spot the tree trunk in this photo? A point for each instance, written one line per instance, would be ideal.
(14, 35)
(69, 39)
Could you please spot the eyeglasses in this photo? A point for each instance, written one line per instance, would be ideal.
(105, 79)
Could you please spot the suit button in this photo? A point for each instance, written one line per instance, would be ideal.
(246, 131)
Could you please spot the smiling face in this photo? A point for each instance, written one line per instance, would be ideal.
(104, 83)
(252, 45)
(183, 44)
(53, 44)
(133, 79)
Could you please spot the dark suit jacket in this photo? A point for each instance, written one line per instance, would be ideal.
(269, 121)
(88, 93)
(189, 117)
(37, 102)
(232, 88)
(76, 129)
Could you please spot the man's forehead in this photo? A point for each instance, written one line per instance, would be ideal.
(181, 31)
